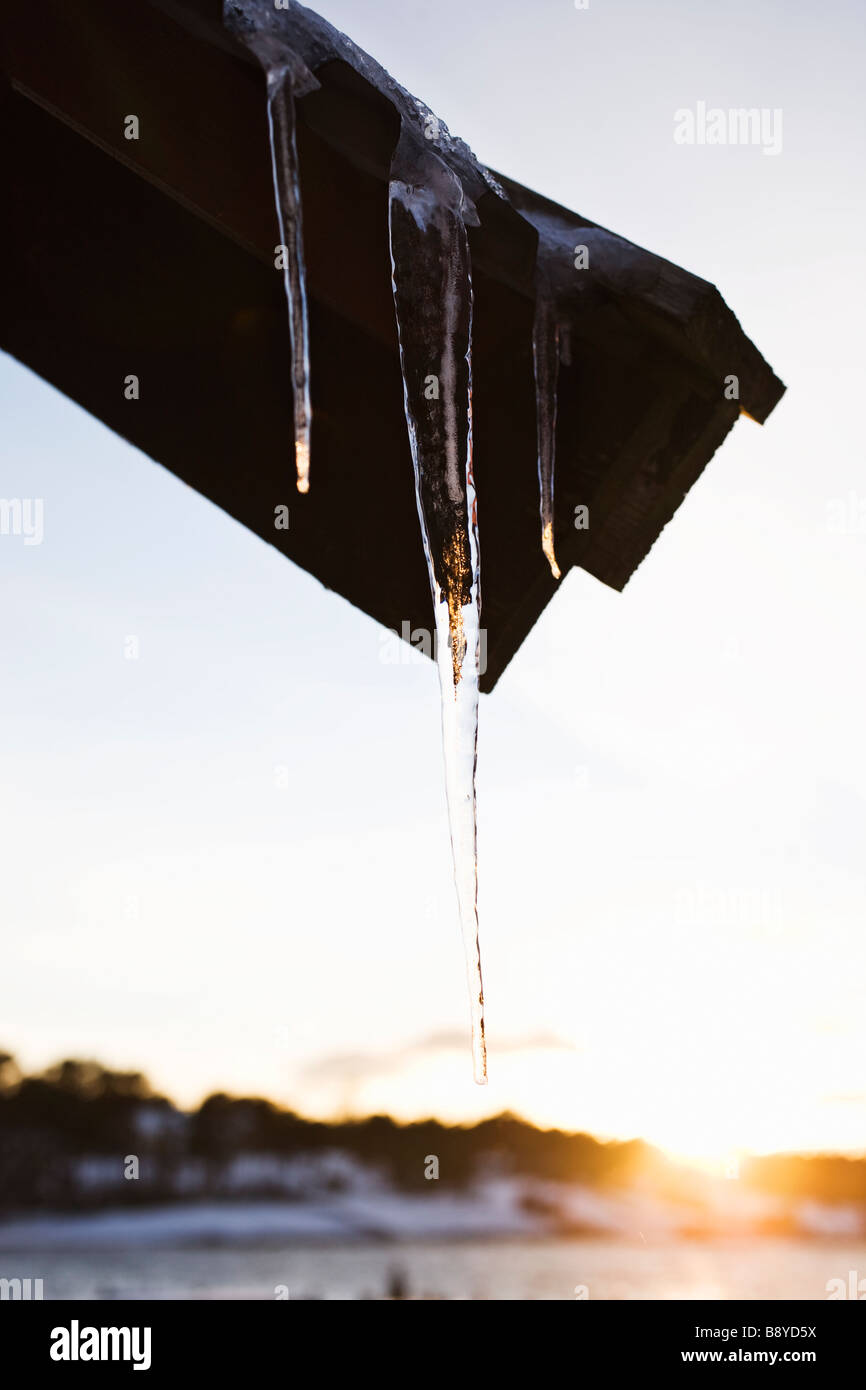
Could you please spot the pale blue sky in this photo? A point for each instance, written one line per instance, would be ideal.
(672, 781)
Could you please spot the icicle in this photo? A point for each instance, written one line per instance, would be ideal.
(272, 37)
(287, 194)
(555, 289)
(431, 279)
(545, 351)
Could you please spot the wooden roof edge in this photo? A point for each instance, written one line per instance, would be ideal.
(686, 311)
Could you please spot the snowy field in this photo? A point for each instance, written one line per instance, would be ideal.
(282, 1250)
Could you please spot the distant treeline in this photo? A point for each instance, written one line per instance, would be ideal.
(65, 1134)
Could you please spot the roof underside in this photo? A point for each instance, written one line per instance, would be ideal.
(156, 257)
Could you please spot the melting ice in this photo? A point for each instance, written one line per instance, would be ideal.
(432, 286)
(432, 283)
(288, 78)
(287, 194)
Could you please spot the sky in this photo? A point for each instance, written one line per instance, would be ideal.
(226, 855)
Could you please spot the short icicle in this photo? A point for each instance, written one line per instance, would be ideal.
(545, 352)
(432, 283)
(287, 194)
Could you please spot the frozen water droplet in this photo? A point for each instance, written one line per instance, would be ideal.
(432, 283)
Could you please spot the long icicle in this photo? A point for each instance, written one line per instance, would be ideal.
(287, 194)
(432, 284)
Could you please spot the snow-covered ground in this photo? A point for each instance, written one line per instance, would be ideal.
(256, 1200)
